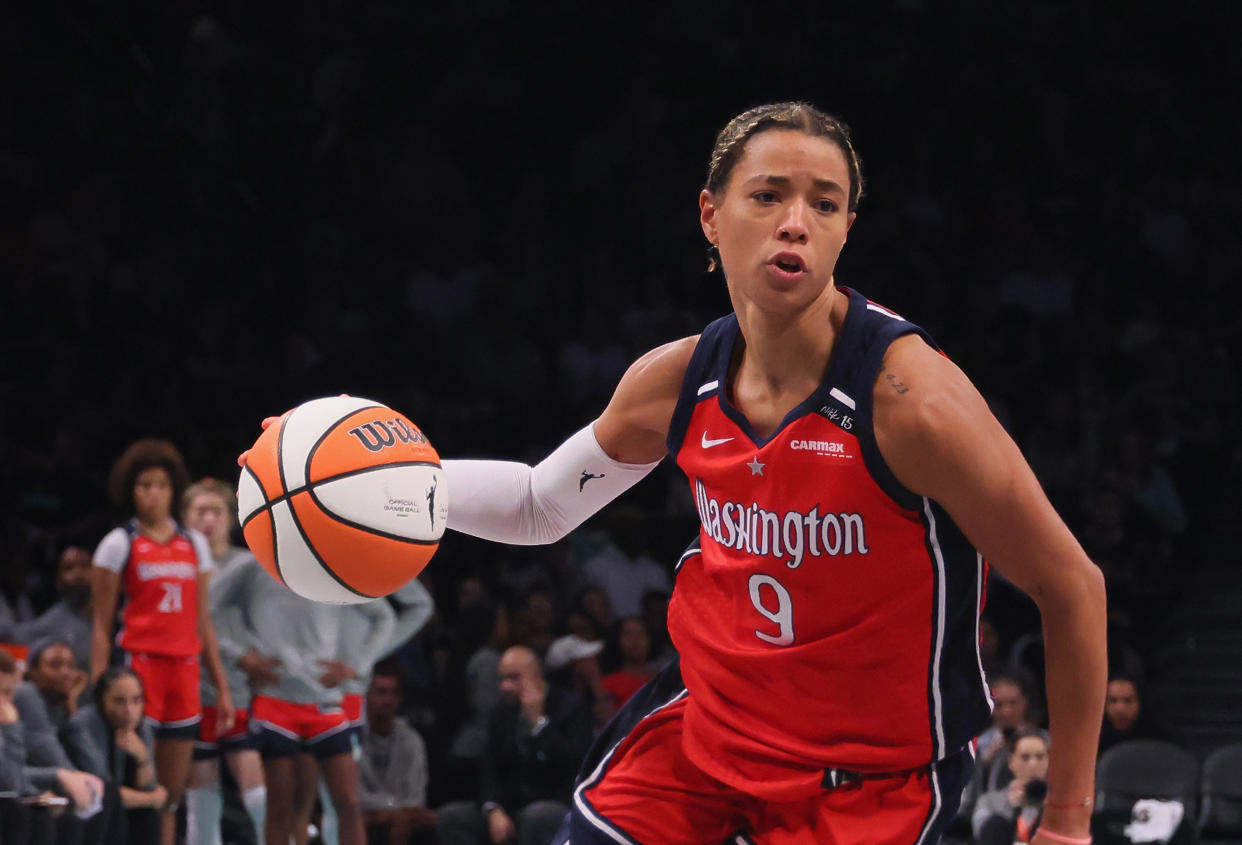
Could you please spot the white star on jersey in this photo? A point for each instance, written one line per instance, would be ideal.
(756, 468)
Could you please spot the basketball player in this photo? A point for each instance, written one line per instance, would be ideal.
(209, 507)
(296, 706)
(163, 571)
(413, 606)
(850, 482)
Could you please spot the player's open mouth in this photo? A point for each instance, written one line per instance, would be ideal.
(788, 265)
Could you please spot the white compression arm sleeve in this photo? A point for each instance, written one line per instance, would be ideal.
(511, 502)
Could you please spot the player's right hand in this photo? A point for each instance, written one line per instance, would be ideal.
(261, 670)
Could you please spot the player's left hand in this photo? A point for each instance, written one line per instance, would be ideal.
(267, 423)
(335, 672)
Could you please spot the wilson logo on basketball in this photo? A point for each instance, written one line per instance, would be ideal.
(378, 434)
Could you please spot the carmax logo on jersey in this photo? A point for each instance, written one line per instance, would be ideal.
(820, 447)
(794, 534)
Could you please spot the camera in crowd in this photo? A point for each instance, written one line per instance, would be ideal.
(1035, 792)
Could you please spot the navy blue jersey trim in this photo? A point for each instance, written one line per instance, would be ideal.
(660, 692)
(838, 363)
(694, 548)
(963, 690)
(963, 710)
(698, 373)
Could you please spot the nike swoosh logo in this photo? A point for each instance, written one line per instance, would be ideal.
(707, 444)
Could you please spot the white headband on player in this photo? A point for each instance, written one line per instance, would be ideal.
(511, 502)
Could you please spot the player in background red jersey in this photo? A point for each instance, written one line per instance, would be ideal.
(162, 572)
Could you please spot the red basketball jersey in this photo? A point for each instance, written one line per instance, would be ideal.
(826, 617)
(160, 584)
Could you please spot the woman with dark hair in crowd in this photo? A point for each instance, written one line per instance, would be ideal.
(1125, 718)
(628, 654)
(109, 738)
(161, 571)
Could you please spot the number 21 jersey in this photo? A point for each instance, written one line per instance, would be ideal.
(159, 583)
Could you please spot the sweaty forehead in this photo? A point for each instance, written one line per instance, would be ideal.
(792, 154)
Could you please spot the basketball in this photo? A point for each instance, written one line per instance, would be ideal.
(342, 500)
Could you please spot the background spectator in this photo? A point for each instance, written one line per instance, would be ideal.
(537, 736)
(622, 569)
(54, 672)
(472, 688)
(392, 767)
(14, 815)
(209, 507)
(630, 647)
(48, 769)
(572, 664)
(1010, 814)
(110, 739)
(70, 618)
(156, 576)
(1124, 715)
(1011, 715)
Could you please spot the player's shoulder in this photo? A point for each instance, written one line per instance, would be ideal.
(633, 427)
(928, 417)
(656, 376)
(667, 361)
(113, 549)
(918, 390)
(119, 534)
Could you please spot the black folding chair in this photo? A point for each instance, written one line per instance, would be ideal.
(1143, 769)
(1220, 810)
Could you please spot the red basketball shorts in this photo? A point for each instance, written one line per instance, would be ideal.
(647, 790)
(170, 685)
(285, 727)
(236, 738)
(352, 704)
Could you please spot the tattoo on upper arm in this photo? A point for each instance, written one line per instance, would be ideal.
(893, 379)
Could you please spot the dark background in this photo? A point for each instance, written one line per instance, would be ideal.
(480, 213)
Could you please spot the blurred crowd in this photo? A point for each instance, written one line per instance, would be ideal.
(480, 216)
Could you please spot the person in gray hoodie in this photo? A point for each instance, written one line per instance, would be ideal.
(209, 507)
(110, 739)
(295, 669)
(413, 606)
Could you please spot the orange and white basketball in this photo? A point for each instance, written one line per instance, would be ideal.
(343, 500)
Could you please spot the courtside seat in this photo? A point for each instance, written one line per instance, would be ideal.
(1146, 768)
(1220, 813)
